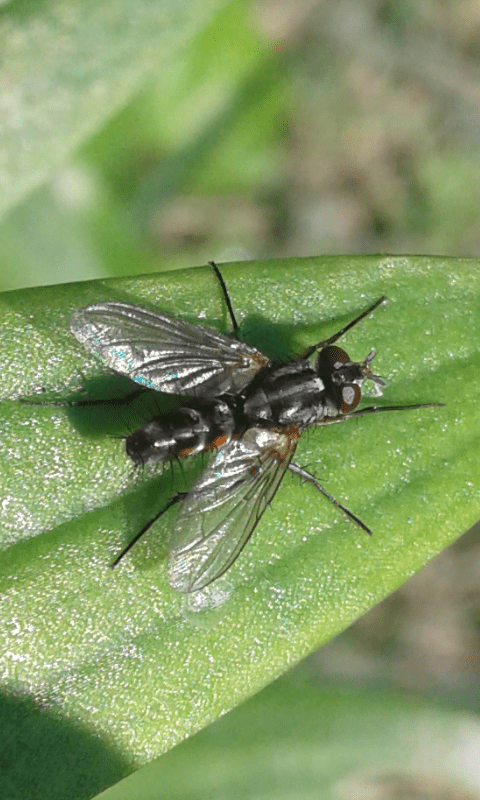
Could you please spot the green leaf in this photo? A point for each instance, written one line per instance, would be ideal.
(304, 741)
(119, 653)
(66, 68)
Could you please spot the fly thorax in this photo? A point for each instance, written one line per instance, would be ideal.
(286, 394)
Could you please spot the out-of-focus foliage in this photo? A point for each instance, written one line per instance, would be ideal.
(308, 741)
(280, 130)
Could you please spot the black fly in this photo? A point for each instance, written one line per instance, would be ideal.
(247, 409)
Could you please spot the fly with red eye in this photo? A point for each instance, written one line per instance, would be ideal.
(248, 409)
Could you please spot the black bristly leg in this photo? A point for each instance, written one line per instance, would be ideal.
(331, 339)
(225, 295)
(307, 476)
(102, 401)
(175, 499)
(375, 410)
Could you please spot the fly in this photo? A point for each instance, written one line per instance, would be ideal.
(246, 409)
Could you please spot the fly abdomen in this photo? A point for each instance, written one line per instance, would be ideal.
(180, 433)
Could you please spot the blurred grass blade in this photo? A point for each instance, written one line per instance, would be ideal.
(67, 67)
(378, 745)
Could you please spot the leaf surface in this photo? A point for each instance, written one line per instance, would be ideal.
(118, 652)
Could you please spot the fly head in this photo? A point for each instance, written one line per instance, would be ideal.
(343, 378)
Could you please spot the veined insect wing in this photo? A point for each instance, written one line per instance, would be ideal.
(224, 505)
(164, 353)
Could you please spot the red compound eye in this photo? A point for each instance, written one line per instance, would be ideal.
(335, 355)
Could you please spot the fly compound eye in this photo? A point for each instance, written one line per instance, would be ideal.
(350, 397)
(335, 356)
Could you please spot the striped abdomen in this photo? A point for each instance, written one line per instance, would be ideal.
(180, 433)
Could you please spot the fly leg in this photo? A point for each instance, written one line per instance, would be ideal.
(375, 410)
(302, 473)
(331, 339)
(226, 296)
(102, 401)
(175, 499)
(341, 418)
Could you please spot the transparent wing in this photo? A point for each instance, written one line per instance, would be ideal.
(164, 353)
(221, 511)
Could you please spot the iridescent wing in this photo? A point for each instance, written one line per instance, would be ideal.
(221, 511)
(165, 353)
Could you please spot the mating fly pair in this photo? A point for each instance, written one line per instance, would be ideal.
(248, 410)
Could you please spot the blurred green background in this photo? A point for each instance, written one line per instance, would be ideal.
(280, 128)
(289, 128)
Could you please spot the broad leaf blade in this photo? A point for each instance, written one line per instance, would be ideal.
(119, 651)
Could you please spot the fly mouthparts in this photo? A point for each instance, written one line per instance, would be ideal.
(378, 382)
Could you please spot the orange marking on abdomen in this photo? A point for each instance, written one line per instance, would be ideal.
(220, 441)
(217, 442)
(187, 452)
